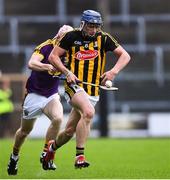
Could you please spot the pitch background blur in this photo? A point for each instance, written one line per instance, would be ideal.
(141, 106)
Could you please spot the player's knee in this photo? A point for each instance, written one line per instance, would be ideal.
(88, 114)
(57, 120)
(25, 133)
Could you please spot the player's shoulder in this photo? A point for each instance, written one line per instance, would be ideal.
(48, 42)
(109, 39)
(103, 33)
(108, 36)
(70, 36)
(74, 32)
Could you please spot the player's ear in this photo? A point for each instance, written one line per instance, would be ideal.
(82, 25)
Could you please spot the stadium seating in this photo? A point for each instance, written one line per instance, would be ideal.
(71, 6)
(142, 91)
(20, 7)
(128, 36)
(31, 33)
(158, 32)
(11, 62)
(4, 35)
(167, 63)
(145, 7)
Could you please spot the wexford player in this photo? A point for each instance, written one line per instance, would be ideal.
(41, 97)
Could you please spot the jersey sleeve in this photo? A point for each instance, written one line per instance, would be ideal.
(43, 48)
(111, 43)
(66, 41)
(40, 50)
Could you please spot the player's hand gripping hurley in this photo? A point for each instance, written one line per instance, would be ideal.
(91, 84)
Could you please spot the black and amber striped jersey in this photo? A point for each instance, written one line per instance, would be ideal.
(87, 56)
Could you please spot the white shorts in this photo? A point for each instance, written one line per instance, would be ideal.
(76, 89)
(34, 104)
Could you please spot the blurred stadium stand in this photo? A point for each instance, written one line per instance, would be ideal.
(142, 27)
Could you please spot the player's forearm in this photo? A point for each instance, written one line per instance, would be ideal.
(37, 66)
(57, 63)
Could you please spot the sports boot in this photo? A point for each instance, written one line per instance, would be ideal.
(51, 165)
(80, 162)
(47, 158)
(12, 166)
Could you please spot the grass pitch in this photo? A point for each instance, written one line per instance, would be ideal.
(109, 158)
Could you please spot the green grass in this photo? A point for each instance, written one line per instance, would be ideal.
(110, 158)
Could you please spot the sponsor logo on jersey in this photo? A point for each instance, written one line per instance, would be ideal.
(86, 54)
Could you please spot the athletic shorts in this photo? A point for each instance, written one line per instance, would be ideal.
(34, 104)
(74, 88)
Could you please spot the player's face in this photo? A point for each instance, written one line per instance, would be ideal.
(90, 29)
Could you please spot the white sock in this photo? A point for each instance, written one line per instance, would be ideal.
(15, 157)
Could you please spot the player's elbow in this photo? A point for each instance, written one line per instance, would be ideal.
(127, 56)
(51, 58)
(30, 65)
(122, 53)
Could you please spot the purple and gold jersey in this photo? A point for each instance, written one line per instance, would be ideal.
(43, 82)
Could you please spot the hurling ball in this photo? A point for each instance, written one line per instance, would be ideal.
(108, 83)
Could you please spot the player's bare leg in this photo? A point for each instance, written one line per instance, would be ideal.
(62, 138)
(20, 135)
(54, 112)
(83, 111)
(69, 130)
(81, 102)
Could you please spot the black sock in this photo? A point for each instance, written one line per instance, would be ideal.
(79, 151)
(45, 147)
(55, 146)
(15, 151)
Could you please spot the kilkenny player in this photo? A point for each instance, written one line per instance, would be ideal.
(86, 49)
